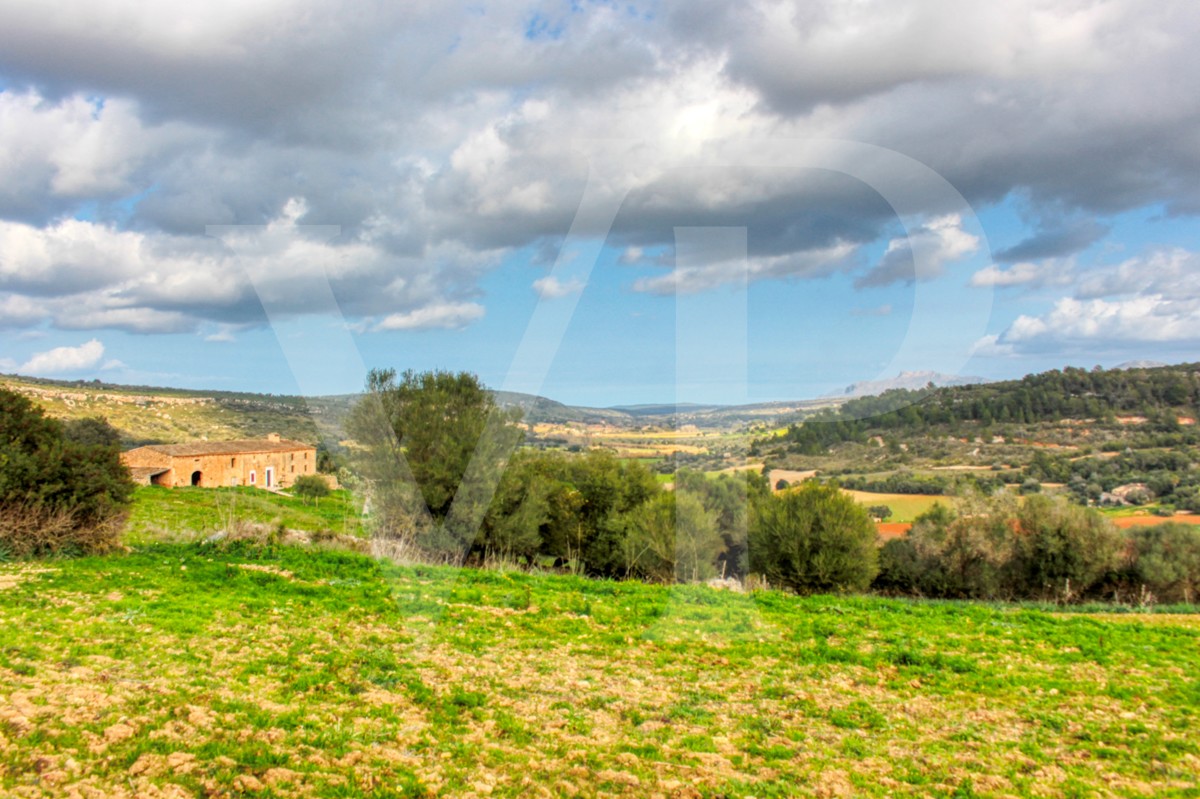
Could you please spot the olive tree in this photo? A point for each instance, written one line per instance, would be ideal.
(432, 446)
(813, 539)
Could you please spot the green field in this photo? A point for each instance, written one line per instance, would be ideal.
(190, 513)
(905, 507)
(233, 669)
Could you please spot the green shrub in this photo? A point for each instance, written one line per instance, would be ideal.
(673, 538)
(1166, 559)
(310, 486)
(900, 568)
(964, 554)
(880, 512)
(1061, 549)
(62, 490)
(813, 539)
(994, 548)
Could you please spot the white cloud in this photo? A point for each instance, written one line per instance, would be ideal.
(923, 253)
(86, 275)
(74, 147)
(451, 315)
(439, 139)
(1173, 273)
(18, 311)
(990, 346)
(805, 265)
(551, 288)
(65, 359)
(224, 334)
(1149, 299)
(1151, 318)
(1047, 272)
(631, 255)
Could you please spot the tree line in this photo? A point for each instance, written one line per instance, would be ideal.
(1056, 395)
(450, 483)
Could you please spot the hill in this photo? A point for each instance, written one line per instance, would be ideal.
(145, 414)
(908, 380)
(149, 414)
(1093, 432)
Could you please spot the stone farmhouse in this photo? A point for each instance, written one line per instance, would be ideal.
(271, 462)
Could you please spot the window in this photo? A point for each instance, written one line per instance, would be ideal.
(233, 461)
(253, 477)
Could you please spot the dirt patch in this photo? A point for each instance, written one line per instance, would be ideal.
(792, 476)
(1125, 522)
(11, 579)
(889, 530)
(258, 567)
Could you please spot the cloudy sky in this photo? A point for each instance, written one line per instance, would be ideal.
(600, 202)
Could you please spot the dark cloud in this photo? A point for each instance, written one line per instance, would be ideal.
(1054, 243)
(439, 136)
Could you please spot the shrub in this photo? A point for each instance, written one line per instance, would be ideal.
(900, 568)
(1166, 559)
(815, 538)
(310, 486)
(993, 548)
(62, 491)
(1062, 549)
(880, 512)
(964, 554)
(673, 538)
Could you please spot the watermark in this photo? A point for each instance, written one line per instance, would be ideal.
(915, 192)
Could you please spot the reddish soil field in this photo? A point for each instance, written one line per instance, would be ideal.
(1144, 521)
(893, 529)
(897, 529)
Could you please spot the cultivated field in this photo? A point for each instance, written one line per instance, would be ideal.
(240, 670)
(905, 507)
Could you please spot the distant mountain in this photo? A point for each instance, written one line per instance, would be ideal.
(1140, 365)
(666, 409)
(540, 410)
(910, 381)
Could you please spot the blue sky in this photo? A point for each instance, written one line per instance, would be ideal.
(509, 188)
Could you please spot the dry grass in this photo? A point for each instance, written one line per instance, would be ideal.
(31, 530)
(256, 670)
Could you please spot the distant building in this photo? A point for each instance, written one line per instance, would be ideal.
(270, 462)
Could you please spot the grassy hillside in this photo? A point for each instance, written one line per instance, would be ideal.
(189, 513)
(159, 415)
(193, 670)
(1088, 431)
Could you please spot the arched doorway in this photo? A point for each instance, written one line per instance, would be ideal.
(195, 478)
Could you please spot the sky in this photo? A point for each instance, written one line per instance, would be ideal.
(604, 203)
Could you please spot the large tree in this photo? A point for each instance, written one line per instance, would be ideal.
(433, 446)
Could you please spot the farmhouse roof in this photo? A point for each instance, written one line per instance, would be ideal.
(145, 472)
(244, 446)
